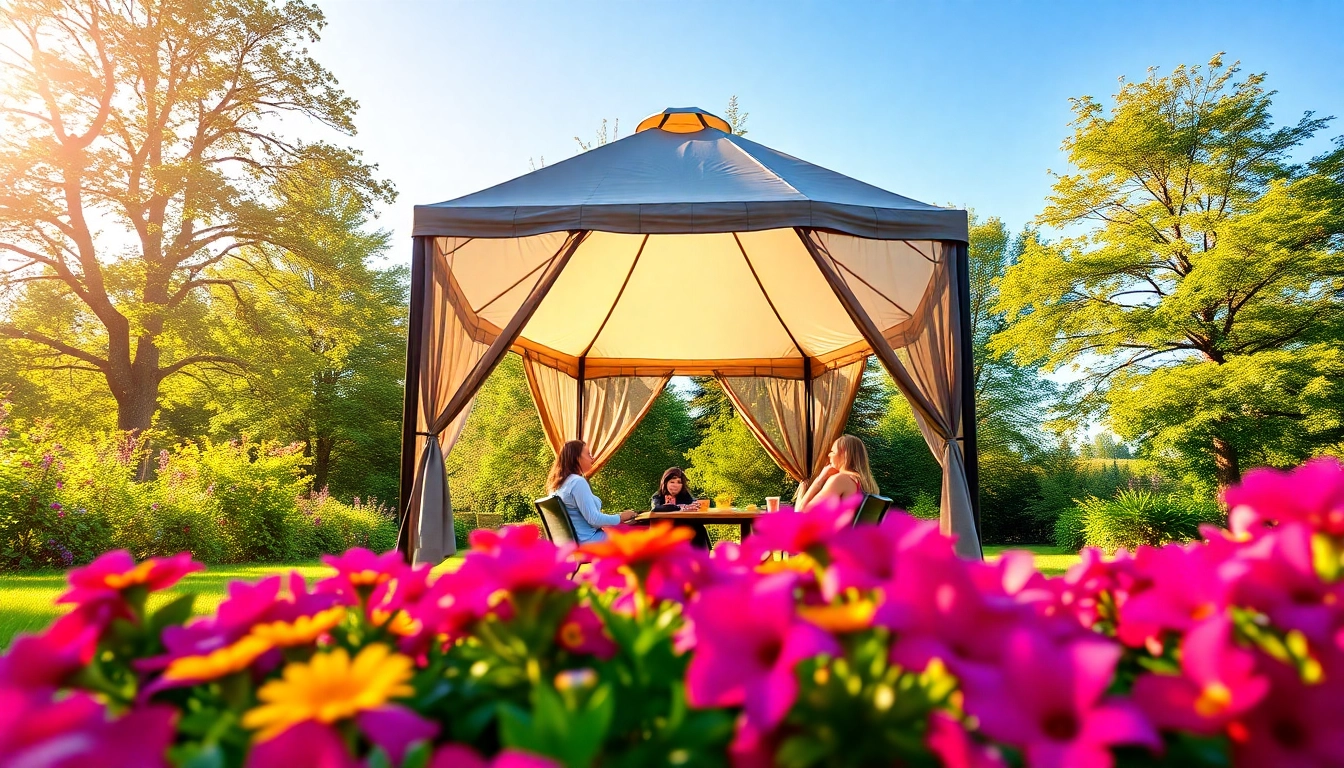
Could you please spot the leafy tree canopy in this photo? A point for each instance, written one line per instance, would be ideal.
(1199, 276)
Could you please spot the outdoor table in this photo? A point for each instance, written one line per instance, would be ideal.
(710, 517)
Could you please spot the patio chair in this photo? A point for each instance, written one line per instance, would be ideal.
(871, 510)
(556, 524)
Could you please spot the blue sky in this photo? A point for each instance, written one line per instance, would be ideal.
(950, 102)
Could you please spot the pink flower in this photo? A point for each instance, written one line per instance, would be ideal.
(107, 577)
(73, 731)
(1218, 682)
(46, 660)
(1188, 585)
(307, 745)
(582, 632)
(949, 741)
(274, 598)
(1295, 725)
(1093, 587)
(359, 569)
(1048, 699)
(937, 609)
(748, 642)
(1312, 494)
(517, 557)
(1282, 582)
(866, 556)
(460, 756)
(312, 744)
(798, 532)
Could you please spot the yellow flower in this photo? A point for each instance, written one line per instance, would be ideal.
(138, 575)
(850, 617)
(401, 623)
(218, 663)
(800, 563)
(301, 631)
(328, 688)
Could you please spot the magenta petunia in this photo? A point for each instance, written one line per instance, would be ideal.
(748, 640)
(75, 731)
(46, 660)
(461, 756)
(864, 557)
(114, 572)
(395, 729)
(582, 632)
(1218, 682)
(1187, 584)
(947, 739)
(273, 598)
(518, 557)
(360, 571)
(1312, 494)
(1297, 724)
(796, 532)
(1048, 698)
(1281, 581)
(307, 745)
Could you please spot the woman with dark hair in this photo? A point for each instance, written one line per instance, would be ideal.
(674, 494)
(569, 483)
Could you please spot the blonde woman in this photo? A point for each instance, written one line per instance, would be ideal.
(846, 474)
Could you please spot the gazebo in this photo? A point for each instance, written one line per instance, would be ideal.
(684, 249)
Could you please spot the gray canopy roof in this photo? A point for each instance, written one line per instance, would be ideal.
(671, 177)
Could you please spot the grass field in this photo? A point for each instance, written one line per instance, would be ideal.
(1051, 561)
(28, 600)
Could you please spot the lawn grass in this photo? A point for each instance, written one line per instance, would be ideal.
(1051, 561)
(28, 600)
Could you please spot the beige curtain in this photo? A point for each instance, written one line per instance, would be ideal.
(612, 406)
(460, 346)
(921, 317)
(775, 411)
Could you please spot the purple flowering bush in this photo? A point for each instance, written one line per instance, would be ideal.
(814, 643)
(63, 504)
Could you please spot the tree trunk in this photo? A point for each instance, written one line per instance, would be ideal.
(136, 406)
(321, 461)
(1225, 462)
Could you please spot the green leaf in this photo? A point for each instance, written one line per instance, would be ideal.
(173, 613)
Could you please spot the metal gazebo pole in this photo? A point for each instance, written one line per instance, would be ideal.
(410, 409)
(970, 446)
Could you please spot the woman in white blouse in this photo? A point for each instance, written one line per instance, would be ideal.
(568, 482)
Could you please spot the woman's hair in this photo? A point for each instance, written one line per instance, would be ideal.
(671, 473)
(566, 464)
(852, 456)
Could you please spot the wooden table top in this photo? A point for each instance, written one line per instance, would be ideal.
(711, 516)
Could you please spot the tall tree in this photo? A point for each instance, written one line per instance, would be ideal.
(143, 146)
(1012, 398)
(1201, 280)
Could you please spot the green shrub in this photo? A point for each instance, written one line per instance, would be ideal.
(1136, 517)
(222, 502)
(325, 526)
(1069, 532)
(925, 506)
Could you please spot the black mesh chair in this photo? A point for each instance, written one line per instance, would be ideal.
(872, 509)
(556, 524)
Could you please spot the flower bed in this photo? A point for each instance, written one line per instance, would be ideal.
(866, 646)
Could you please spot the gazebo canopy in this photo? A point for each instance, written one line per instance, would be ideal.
(684, 249)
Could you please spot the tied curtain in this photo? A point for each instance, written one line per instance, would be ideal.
(776, 412)
(612, 405)
(872, 278)
(464, 338)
